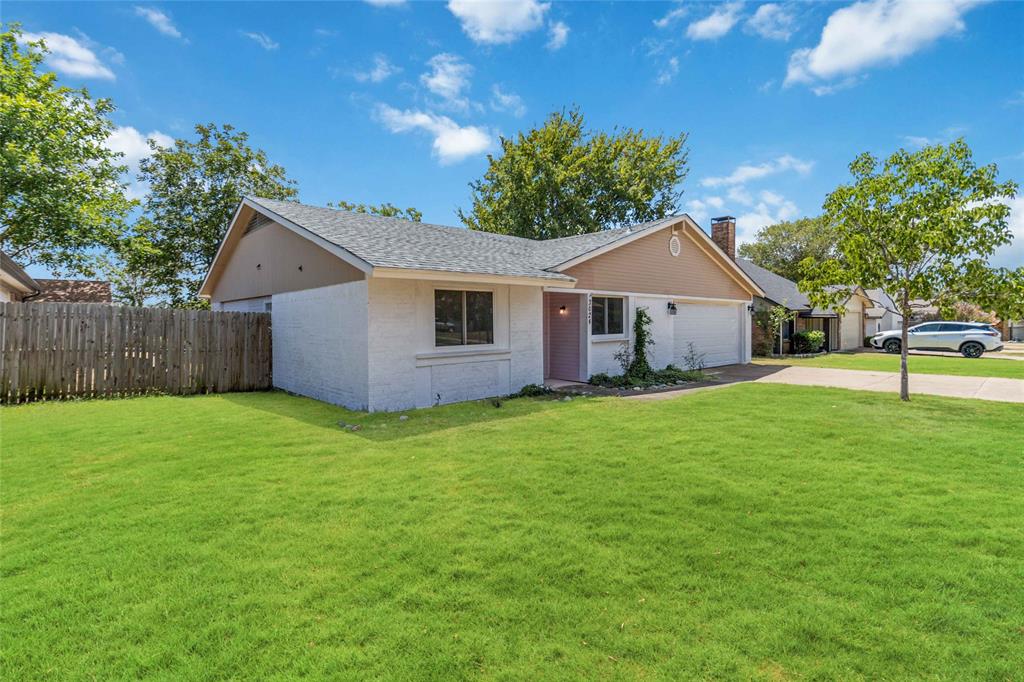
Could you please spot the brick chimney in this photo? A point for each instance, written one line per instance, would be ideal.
(723, 232)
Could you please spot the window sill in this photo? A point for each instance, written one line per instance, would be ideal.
(463, 351)
(608, 338)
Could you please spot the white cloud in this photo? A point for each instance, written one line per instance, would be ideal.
(746, 173)
(674, 15)
(132, 144)
(71, 57)
(701, 209)
(452, 142)
(448, 78)
(716, 24)
(261, 39)
(772, 21)
(874, 32)
(382, 70)
(507, 101)
(558, 35)
(669, 72)
(738, 194)
(498, 21)
(1012, 255)
(158, 20)
(767, 212)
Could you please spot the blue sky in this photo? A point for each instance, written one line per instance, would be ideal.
(401, 101)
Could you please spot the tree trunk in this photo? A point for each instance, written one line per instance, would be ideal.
(904, 326)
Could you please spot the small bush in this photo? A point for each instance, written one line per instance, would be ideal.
(669, 375)
(533, 391)
(808, 341)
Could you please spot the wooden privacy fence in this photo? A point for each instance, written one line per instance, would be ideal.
(64, 350)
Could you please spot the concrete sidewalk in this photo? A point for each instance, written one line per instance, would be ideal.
(980, 388)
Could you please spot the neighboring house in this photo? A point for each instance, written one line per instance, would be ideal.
(842, 332)
(15, 284)
(878, 316)
(73, 291)
(1015, 330)
(387, 314)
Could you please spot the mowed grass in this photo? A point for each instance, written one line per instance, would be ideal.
(917, 364)
(754, 531)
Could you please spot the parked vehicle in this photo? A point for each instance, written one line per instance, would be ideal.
(971, 339)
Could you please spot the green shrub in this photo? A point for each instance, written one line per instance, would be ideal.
(808, 341)
(533, 391)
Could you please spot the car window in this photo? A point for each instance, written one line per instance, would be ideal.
(950, 327)
(926, 328)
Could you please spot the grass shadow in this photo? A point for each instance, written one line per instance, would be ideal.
(388, 426)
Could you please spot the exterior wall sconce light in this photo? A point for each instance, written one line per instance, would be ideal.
(750, 308)
(671, 308)
(300, 268)
(563, 311)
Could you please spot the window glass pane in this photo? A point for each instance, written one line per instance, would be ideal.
(479, 317)
(927, 328)
(615, 314)
(597, 315)
(447, 318)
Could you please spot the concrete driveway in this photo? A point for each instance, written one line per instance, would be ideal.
(980, 388)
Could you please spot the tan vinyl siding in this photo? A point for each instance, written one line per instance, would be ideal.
(647, 266)
(266, 261)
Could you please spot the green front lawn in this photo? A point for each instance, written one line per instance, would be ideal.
(753, 531)
(918, 364)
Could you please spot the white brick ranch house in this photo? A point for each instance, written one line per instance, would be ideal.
(388, 314)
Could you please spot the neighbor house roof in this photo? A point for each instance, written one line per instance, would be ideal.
(377, 242)
(777, 288)
(15, 276)
(73, 291)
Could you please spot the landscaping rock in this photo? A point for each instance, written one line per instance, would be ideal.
(567, 399)
(403, 418)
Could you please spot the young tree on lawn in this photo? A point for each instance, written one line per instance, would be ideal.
(561, 179)
(919, 225)
(386, 210)
(783, 246)
(194, 189)
(61, 186)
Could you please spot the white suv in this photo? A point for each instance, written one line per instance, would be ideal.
(969, 338)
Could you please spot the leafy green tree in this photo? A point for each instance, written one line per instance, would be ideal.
(781, 248)
(919, 225)
(61, 193)
(386, 210)
(194, 190)
(132, 266)
(561, 179)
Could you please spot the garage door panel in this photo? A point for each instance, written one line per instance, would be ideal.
(714, 330)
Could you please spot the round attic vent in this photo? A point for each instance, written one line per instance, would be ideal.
(673, 245)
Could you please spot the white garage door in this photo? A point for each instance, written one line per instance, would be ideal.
(714, 331)
(852, 325)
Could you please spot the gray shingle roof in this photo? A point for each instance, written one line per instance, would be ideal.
(399, 243)
(776, 287)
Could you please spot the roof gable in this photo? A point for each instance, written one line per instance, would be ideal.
(391, 245)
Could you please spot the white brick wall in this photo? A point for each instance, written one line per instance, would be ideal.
(602, 353)
(526, 329)
(406, 370)
(320, 343)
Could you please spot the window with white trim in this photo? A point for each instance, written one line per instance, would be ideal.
(463, 318)
(607, 315)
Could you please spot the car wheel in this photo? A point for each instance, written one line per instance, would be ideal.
(891, 346)
(972, 349)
